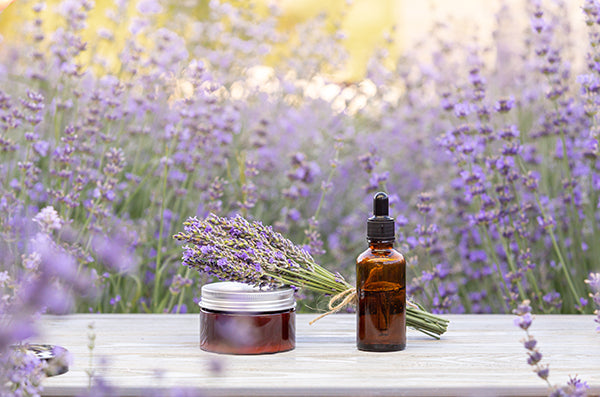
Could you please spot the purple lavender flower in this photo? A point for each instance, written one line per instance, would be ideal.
(21, 373)
(41, 147)
(115, 300)
(553, 299)
(148, 7)
(524, 321)
(424, 203)
(594, 282)
(504, 105)
(228, 237)
(517, 166)
(255, 254)
(575, 386)
(543, 372)
(591, 11)
(115, 252)
(48, 219)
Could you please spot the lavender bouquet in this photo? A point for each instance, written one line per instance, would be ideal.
(234, 249)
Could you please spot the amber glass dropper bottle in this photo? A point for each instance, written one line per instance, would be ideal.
(381, 285)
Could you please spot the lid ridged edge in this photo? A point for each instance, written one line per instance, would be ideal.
(237, 297)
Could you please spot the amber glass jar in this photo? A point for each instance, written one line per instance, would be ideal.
(237, 318)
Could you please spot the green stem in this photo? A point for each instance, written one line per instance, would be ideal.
(513, 267)
(22, 181)
(308, 278)
(529, 273)
(57, 125)
(137, 188)
(492, 253)
(558, 253)
(564, 267)
(490, 245)
(287, 282)
(85, 225)
(324, 190)
(138, 289)
(576, 230)
(324, 272)
(592, 217)
(159, 267)
(180, 300)
(166, 308)
(241, 161)
(554, 243)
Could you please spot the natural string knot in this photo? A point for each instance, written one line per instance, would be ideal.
(346, 297)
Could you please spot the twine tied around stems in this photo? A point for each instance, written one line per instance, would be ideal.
(348, 296)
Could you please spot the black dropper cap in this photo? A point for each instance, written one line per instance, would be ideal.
(380, 227)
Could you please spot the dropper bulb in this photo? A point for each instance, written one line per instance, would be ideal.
(381, 204)
(380, 227)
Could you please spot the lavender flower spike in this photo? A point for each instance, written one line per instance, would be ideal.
(523, 321)
(574, 387)
(48, 219)
(234, 249)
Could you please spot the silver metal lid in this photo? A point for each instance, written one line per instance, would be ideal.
(230, 296)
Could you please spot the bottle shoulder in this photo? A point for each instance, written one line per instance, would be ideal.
(385, 254)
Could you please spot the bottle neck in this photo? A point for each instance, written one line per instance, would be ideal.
(375, 244)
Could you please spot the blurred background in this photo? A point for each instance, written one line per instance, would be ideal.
(128, 117)
(366, 24)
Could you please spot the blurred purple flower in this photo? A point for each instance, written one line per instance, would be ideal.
(149, 7)
(115, 300)
(48, 219)
(115, 253)
(41, 147)
(505, 105)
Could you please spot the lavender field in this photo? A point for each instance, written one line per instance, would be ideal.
(490, 154)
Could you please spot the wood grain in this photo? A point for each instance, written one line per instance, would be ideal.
(480, 355)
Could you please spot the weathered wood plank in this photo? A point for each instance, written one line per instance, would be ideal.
(479, 355)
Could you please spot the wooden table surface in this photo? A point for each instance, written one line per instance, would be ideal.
(479, 355)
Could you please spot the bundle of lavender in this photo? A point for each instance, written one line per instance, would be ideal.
(234, 249)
